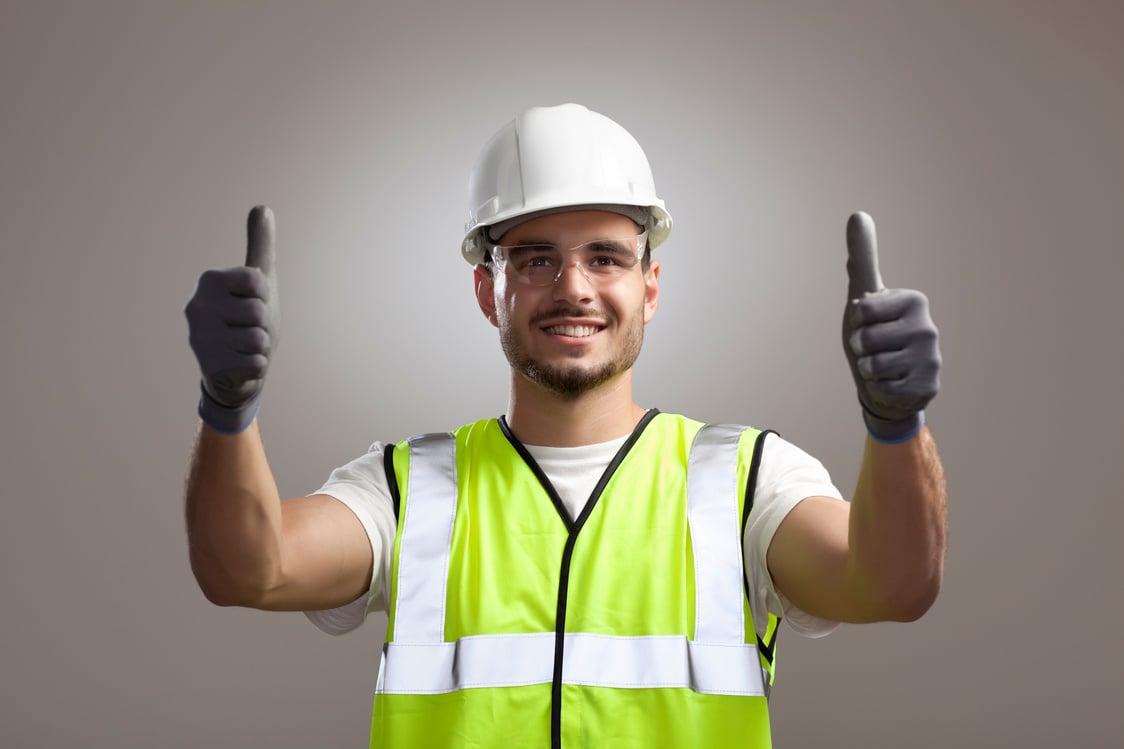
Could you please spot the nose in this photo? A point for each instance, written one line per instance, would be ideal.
(572, 283)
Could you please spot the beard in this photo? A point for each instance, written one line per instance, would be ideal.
(569, 382)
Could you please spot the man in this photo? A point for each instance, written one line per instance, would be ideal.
(581, 571)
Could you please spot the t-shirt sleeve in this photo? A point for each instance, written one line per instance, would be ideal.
(785, 476)
(362, 486)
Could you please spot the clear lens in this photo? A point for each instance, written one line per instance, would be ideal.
(540, 264)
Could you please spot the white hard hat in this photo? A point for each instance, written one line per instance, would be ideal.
(559, 158)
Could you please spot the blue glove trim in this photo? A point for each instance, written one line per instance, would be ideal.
(886, 440)
(226, 420)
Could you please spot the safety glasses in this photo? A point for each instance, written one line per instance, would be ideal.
(542, 263)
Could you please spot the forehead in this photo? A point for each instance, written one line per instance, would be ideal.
(576, 226)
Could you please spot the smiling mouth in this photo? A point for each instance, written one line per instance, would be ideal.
(573, 331)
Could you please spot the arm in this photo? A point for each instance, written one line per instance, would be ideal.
(247, 547)
(881, 556)
(898, 526)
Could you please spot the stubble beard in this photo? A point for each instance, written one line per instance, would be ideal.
(570, 382)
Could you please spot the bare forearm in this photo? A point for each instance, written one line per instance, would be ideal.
(898, 526)
(233, 513)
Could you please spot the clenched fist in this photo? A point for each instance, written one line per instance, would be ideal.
(233, 322)
(890, 342)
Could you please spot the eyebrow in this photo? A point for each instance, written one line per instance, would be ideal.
(612, 244)
(619, 244)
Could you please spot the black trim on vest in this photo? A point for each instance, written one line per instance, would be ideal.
(574, 528)
(751, 480)
(535, 469)
(767, 649)
(391, 476)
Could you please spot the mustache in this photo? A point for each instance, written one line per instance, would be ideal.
(567, 311)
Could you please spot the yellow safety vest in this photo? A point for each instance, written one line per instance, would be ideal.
(513, 625)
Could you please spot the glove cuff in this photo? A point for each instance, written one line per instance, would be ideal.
(892, 432)
(224, 419)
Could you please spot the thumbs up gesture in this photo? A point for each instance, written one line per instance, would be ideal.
(233, 321)
(890, 342)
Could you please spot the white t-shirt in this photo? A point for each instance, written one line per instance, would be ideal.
(785, 476)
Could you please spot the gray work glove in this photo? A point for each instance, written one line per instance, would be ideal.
(890, 342)
(233, 321)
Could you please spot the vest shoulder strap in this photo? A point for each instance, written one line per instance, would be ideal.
(426, 531)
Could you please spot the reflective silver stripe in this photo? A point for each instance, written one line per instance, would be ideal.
(591, 660)
(661, 661)
(427, 530)
(475, 661)
(712, 514)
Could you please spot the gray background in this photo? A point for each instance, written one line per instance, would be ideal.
(985, 139)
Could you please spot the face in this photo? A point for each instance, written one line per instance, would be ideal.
(578, 333)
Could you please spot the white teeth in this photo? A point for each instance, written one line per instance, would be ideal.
(574, 331)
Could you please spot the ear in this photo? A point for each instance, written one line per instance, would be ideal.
(485, 292)
(651, 290)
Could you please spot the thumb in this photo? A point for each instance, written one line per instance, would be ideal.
(862, 256)
(260, 252)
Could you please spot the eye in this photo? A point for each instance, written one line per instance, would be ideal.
(609, 256)
(531, 256)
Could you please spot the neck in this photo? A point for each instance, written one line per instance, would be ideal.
(540, 417)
